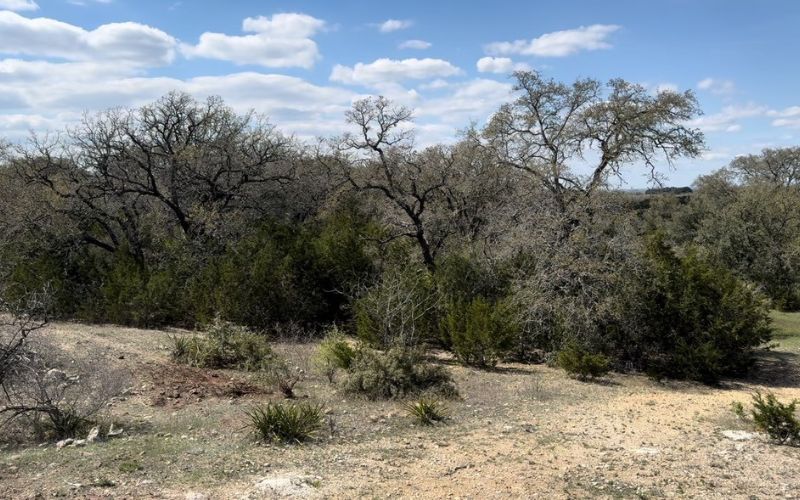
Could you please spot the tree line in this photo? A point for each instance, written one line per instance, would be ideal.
(508, 243)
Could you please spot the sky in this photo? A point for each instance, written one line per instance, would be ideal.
(302, 63)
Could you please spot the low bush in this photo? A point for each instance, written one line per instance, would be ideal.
(283, 378)
(427, 411)
(399, 311)
(334, 353)
(224, 345)
(480, 333)
(777, 419)
(286, 423)
(55, 397)
(582, 363)
(334, 350)
(395, 374)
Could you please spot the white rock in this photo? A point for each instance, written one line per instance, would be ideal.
(114, 432)
(739, 435)
(284, 487)
(65, 442)
(93, 435)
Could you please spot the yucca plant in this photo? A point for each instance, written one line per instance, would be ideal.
(286, 423)
(427, 411)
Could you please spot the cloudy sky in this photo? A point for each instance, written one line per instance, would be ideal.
(303, 62)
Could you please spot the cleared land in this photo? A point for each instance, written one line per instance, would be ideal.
(521, 431)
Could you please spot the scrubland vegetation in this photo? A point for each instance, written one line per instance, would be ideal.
(388, 265)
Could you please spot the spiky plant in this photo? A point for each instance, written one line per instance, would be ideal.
(427, 411)
(286, 423)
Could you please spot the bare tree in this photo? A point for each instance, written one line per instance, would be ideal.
(570, 138)
(778, 167)
(430, 195)
(176, 162)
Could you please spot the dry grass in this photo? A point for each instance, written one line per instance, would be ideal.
(519, 431)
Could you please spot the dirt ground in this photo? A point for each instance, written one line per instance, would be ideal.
(519, 431)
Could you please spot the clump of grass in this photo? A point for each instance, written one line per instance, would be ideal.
(427, 411)
(130, 467)
(225, 345)
(777, 419)
(285, 422)
(738, 409)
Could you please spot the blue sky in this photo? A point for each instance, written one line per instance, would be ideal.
(303, 62)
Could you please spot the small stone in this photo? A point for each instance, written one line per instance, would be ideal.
(739, 435)
(64, 442)
(93, 435)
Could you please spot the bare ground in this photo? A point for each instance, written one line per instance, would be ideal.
(519, 431)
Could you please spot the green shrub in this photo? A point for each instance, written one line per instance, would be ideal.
(777, 419)
(286, 423)
(581, 363)
(697, 320)
(427, 411)
(395, 374)
(225, 345)
(479, 332)
(335, 350)
(334, 353)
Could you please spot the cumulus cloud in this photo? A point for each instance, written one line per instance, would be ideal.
(393, 70)
(474, 100)
(394, 25)
(789, 117)
(728, 119)
(134, 43)
(499, 65)
(415, 44)
(719, 87)
(18, 5)
(280, 41)
(43, 95)
(558, 43)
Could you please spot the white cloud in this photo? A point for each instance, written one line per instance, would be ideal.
(789, 117)
(474, 100)
(559, 43)
(282, 41)
(42, 95)
(499, 65)
(84, 3)
(393, 70)
(718, 87)
(394, 25)
(134, 43)
(18, 5)
(415, 44)
(727, 120)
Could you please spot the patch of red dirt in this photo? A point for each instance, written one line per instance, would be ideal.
(176, 385)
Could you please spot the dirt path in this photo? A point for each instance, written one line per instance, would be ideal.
(518, 432)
